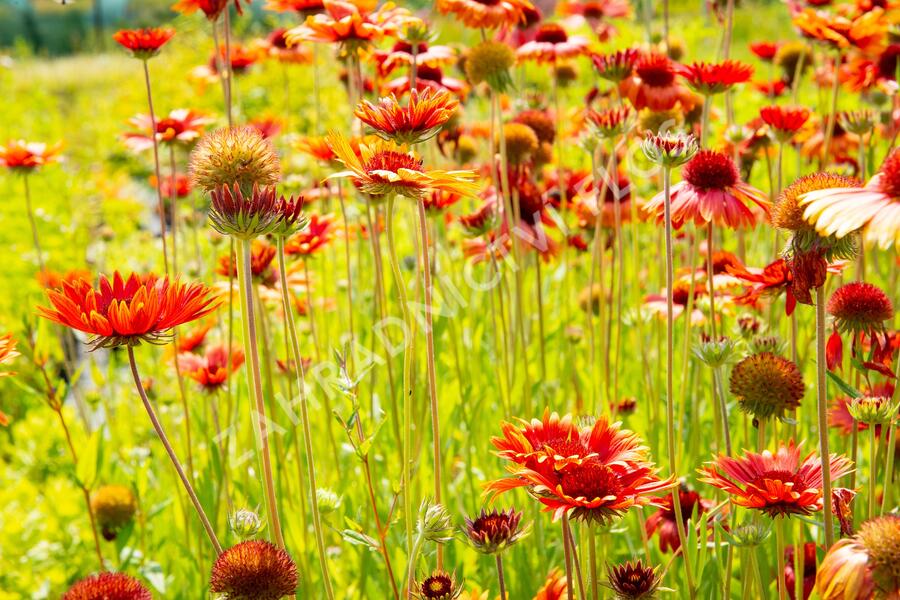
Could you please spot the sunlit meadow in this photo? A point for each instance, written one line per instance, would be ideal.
(469, 299)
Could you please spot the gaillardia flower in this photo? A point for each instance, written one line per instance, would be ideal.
(114, 506)
(181, 126)
(633, 581)
(127, 311)
(249, 216)
(766, 385)
(664, 522)
(873, 209)
(385, 168)
(234, 156)
(551, 44)
(596, 474)
(440, 585)
(670, 149)
(211, 369)
(784, 121)
(22, 156)
(715, 78)
(490, 61)
(144, 43)
(108, 586)
(419, 120)
(860, 308)
(253, 570)
(711, 191)
(495, 531)
(486, 14)
(7, 352)
(864, 566)
(776, 484)
(787, 213)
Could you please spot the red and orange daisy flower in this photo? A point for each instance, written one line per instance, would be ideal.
(866, 32)
(22, 156)
(401, 55)
(351, 23)
(779, 484)
(383, 167)
(144, 43)
(7, 352)
(873, 209)
(654, 84)
(552, 44)
(127, 311)
(211, 8)
(784, 121)
(555, 586)
(486, 14)
(211, 370)
(711, 191)
(595, 11)
(262, 253)
(664, 523)
(181, 126)
(318, 232)
(616, 66)
(715, 78)
(428, 77)
(280, 50)
(597, 476)
(420, 120)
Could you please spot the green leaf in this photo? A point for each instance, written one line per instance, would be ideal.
(90, 460)
(845, 387)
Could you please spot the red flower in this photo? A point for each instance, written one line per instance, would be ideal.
(211, 370)
(616, 66)
(127, 311)
(422, 117)
(809, 570)
(663, 521)
(181, 126)
(108, 586)
(654, 85)
(715, 78)
(7, 352)
(254, 569)
(785, 121)
(774, 278)
(764, 50)
(308, 241)
(596, 476)
(20, 155)
(144, 43)
(777, 484)
(211, 8)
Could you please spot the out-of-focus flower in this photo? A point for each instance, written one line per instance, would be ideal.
(669, 149)
(180, 189)
(711, 191)
(867, 32)
(610, 123)
(552, 44)
(127, 311)
(418, 121)
(253, 569)
(784, 121)
(309, 240)
(764, 50)
(715, 78)
(211, 370)
(633, 581)
(595, 11)
(554, 587)
(654, 84)
(114, 507)
(299, 6)
(25, 157)
(809, 570)
(864, 566)
(490, 61)
(664, 523)
(766, 385)
(776, 484)
(7, 352)
(262, 253)
(386, 168)
(211, 8)
(873, 209)
(616, 66)
(181, 126)
(234, 156)
(193, 338)
(144, 43)
(860, 308)
(351, 23)
(108, 585)
(245, 523)
(479, 14)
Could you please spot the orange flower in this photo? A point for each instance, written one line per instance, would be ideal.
(867, 32)
(351, 23)
(211, 8)
(552, 44)
(317, 233)
(479, 14)
(554, 587)
(279, 49)
(597, 475)
(777, 484)
(420, 120)
(385, 168)
(300, 6)
(211, 370)
(52, 280)
(864, 566)
(144, 43)
(20, 155)
(654, 84)
(127, 311)
(7, 352)
(262, 253)
(182, 126)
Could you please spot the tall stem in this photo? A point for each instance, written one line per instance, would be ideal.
(829, 127)
(254, 382)
(432, 377)
(873, 469)
(33, 224)
(229, 89)
(175, 462)
(670, 360)
(570, 581)
(500, 578)
(161, 207)
(779, 551)
(304, 417)
(822, 409)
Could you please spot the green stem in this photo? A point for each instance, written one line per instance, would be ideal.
(779, 551)
(500, 578)
(822, 410)
(161, 207)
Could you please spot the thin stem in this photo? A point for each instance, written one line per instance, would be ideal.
(873, 466)
(175, 462)
(822, 409)
(348, 266)
(33, 224)
(829, 127)
(229, 90)
(304, 417)
(161, 208)
(570, 582)
(670, 359)
(779, 551)
(500, 578)
(254, 382)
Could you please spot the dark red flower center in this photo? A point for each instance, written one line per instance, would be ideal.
(551, 33)
(429, 73)
(404, 46)
(656, 71)
(173, 125)
(488, 2)
(391, 160)
(437, 586)
(711, 170)
(890, 175)
(590, 480)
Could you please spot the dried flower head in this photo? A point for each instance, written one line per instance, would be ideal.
(491, 61)
(114, 507)
(108, 586)
(495, 531)
(766, 385)
(234, 156)
(253, 570)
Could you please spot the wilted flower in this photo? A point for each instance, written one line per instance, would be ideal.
(234, 156)
(253, 570)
